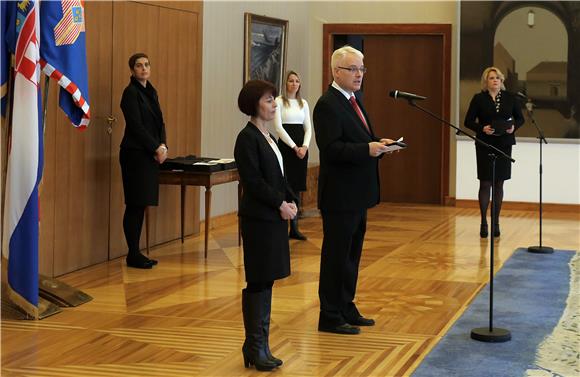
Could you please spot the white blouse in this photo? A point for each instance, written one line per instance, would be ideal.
(274, 147)
(292, 115)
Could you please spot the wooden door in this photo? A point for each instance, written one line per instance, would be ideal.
(74, 193)
(412, 58)
(170, 34)
(410, 63)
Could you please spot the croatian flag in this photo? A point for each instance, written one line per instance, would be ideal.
(20, 242)
(63, 56)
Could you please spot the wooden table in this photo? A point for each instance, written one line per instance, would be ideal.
(207, 179)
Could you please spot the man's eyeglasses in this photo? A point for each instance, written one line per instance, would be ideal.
(354, 69)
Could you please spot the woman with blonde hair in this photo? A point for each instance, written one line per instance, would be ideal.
(292, 123)
(494, 114)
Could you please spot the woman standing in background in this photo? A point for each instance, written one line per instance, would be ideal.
(490, 108)
(143, 148)
(292, 123)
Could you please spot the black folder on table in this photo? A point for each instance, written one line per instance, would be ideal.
(199, 164)
(500, 125)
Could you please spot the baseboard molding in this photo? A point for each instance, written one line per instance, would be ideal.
(519, 206)
(219, 221)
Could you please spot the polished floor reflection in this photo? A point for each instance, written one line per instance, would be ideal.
(421, 267)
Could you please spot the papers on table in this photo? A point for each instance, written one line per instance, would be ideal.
(215, 162)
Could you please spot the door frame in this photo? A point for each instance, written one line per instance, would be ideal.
(443, 30)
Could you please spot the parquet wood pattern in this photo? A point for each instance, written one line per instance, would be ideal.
(421, 267)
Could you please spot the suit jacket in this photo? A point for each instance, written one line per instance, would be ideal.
(482, 111)
(264, 186)
(349, 177)
(144, 126)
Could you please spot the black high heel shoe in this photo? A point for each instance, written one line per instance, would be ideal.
(496, 232)
(261, 363)
(483, 232)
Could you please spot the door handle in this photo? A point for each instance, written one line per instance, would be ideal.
(111, 121)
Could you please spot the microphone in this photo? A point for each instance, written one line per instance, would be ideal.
(529, 104)
(521, 95)
(396, 94)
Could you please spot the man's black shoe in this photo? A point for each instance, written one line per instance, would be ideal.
(345, 328)
(362, 321)
(153, 261)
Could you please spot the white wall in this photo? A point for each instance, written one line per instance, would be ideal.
(223, 61)
(561, 173)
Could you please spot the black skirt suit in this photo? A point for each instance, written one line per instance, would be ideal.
(264, 232)
(483, 110)
(144, 132)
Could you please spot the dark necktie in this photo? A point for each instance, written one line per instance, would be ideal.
(359, 112)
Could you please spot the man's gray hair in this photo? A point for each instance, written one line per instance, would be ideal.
(340, 53)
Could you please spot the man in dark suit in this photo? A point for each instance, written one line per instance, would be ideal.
(348, 185)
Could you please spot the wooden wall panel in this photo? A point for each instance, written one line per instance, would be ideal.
(191, 6)
(81, 193)
(47, 191)
(81, 158)
(180, 54)
(172, 39)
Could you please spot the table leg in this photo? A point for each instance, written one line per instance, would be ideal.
(207, 215)
(182, 209)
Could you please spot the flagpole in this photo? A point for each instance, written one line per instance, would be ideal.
(45, 102)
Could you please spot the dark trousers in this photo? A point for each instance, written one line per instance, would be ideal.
(344, 234)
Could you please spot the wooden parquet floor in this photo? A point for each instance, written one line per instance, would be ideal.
(421, 267)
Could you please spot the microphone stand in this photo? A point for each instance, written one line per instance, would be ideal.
(484, 334)
(539, 249)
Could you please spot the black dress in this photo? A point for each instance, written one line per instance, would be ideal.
(483, 110)
(293, 119)
(144, 132)
(264, 232)
(294, 167)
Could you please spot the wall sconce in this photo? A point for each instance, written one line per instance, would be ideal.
(531, 18)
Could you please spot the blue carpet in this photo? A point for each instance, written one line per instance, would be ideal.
(530, 294)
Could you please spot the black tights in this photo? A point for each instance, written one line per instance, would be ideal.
(256, 287)
(484, 197)
(132, 225)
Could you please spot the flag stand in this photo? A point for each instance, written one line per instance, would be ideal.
(51, 289)
(61, 293)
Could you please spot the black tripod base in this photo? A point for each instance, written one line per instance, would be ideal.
(541, 249)
(495, 336)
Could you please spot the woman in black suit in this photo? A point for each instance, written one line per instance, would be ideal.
(143, 148)
(493, 107)
(266, 205)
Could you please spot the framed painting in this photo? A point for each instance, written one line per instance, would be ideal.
(264, 48)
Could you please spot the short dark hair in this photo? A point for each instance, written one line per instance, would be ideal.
(134, 58)
(251, 93)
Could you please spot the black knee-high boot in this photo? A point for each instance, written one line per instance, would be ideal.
(254, 348)
(294, 232)
(266, 325)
